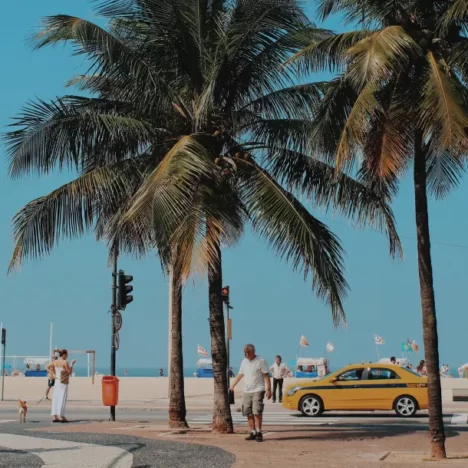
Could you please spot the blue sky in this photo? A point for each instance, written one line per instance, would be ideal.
(273, 306)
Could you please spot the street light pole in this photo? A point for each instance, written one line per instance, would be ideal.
(3, 333)
(228, 334)
(113, 312)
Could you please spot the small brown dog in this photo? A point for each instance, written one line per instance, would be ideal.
(22, 410)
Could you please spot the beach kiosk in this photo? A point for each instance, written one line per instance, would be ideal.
(463, 371)
(309, 368)
(204, 368)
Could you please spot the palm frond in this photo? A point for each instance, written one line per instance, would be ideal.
(353, 133)
(295, 102)
(121, 59)
(351, 198)
(327, 53)
(456, 14)
(444, 115)
(295, 235)
(217, 206)
(457, 60)
(388, 141)
(65, 132)
(169, 188)
(330, 118)
(385, 52)
(366, 12)
(71, 210)
(283, 133)
(249, 57)
(444, 172)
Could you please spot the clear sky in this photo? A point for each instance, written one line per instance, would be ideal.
(273, 306)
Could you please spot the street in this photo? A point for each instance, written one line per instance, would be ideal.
(273, 416)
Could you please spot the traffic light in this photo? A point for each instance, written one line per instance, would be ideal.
(225, 294)
(124, 297)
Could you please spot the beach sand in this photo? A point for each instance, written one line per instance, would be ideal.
(146, 388)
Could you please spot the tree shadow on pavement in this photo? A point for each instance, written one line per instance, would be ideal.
(346, 434)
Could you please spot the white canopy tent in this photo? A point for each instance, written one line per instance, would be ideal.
(204, 362)
(403, 362)
(33, 361)
(304, 361)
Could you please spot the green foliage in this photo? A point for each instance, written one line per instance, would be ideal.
(194, 121)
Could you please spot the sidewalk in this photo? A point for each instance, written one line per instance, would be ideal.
(321, 447)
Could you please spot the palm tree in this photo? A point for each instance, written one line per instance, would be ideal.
(190, 98)
(400, 96)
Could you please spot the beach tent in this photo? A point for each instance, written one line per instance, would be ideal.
(403, 362)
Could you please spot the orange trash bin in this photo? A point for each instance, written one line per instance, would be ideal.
(110, 390)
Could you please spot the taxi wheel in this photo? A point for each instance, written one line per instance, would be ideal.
(405, 406)
(311, 405)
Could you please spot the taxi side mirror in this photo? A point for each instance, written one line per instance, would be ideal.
(334, 380)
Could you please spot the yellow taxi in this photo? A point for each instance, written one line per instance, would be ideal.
(363, 387)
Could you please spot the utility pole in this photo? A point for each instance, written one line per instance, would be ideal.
(113, 313)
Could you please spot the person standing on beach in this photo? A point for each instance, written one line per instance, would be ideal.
(279, 371)
(51, 379)
(61, 371)
(254, 370)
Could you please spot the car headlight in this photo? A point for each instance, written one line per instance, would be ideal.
(293, 390)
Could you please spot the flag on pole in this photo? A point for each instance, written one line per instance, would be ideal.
(406, 347)
(303, 341)
(379, 340)
(414, 346)
(201, 351)
(330, 347)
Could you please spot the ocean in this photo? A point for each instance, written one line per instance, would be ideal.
(152, 372)
(133, 371)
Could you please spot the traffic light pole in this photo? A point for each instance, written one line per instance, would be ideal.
(227, 347)
(3, 332)
(113, 310)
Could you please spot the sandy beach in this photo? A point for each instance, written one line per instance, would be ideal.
(147, 388)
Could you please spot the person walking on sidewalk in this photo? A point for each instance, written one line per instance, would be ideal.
(254, 370)
(279, 371)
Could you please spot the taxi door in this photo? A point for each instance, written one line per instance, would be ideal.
(346, 392)
(379, 388)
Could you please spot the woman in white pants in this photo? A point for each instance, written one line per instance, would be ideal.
(62, 371)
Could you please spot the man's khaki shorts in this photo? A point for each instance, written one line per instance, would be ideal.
(252, 403)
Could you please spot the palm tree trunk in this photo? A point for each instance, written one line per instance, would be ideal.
(222, 420)
(177, 409)
(429, 319)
